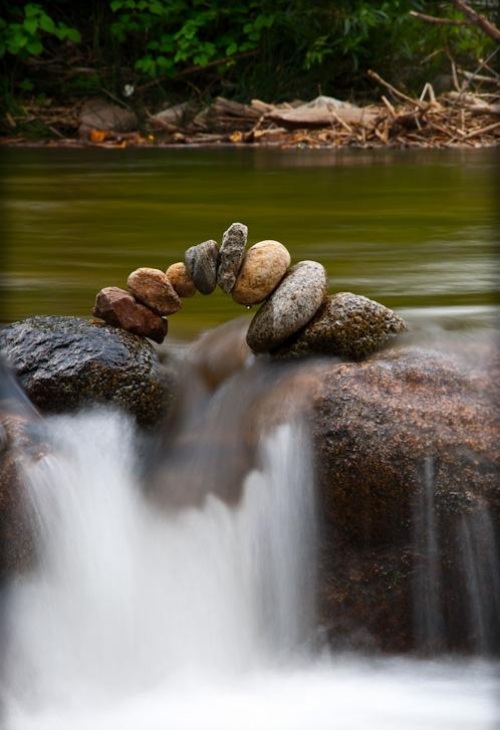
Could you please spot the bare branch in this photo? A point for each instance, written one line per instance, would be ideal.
(436, 21)
(479, 20)
(373, 75)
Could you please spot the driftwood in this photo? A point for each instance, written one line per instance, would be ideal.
(305, 116)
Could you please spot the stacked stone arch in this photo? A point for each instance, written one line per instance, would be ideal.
(296, 316)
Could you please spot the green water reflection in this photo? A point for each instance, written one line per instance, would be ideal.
(411, 229)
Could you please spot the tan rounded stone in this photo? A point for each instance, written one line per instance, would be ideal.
(152, 288)
(181, 280)
(264, 266)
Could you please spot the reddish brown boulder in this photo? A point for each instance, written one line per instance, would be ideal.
(119, 308)
(407, 450)
(376, 425)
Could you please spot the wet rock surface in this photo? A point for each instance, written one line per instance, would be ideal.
(119, 308)
(376, 423)
(289, 308)
(181, 280)
(152, 288)
(263, 267)
(16, 537)
(231, 253)
(404, 430)
(201, 262)
(67, 363)
(347, 325)
(21, 444)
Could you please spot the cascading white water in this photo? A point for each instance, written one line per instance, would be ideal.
(198, 618)
(427, 609)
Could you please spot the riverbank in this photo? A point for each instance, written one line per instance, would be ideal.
(451, 120)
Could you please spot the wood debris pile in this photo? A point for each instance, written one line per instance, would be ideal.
(455, 119)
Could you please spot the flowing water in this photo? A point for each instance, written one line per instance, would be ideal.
(201, 616)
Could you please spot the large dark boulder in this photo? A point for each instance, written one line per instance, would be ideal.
(67, 363)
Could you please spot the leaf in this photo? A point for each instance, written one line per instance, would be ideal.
(32, 10)
(231, 49)
(31, 25)
(34, 47)
(164, 63)
(26, 85)
(201, 59)
(47, 24)
(17, 42)
(73, 35)
(97, 135)
(156, 8)
(147, 65)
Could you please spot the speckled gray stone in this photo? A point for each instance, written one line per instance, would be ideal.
(202, 262)
(231, 255)
(291, 306)
(347, 325)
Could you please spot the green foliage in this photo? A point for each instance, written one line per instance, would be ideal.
(275, 49)
(25, 37)
(177, 34)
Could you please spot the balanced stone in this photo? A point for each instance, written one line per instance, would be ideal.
(119, 308)
(232, 251)
(291, 306)
(201, 263)
(179, 277)
(347, 325)
(263, 267)
(152, 288)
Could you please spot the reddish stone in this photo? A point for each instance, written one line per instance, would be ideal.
(119, 308)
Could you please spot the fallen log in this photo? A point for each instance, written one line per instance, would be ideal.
(305, 116)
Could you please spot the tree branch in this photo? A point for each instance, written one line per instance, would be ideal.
(479, 20)
(436, 21)
(196, 69)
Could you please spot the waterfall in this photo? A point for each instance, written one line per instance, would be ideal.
(480, 564)
(125, 596)
(201, 616)
(427, 584)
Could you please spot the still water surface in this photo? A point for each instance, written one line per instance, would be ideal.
(409, 229)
